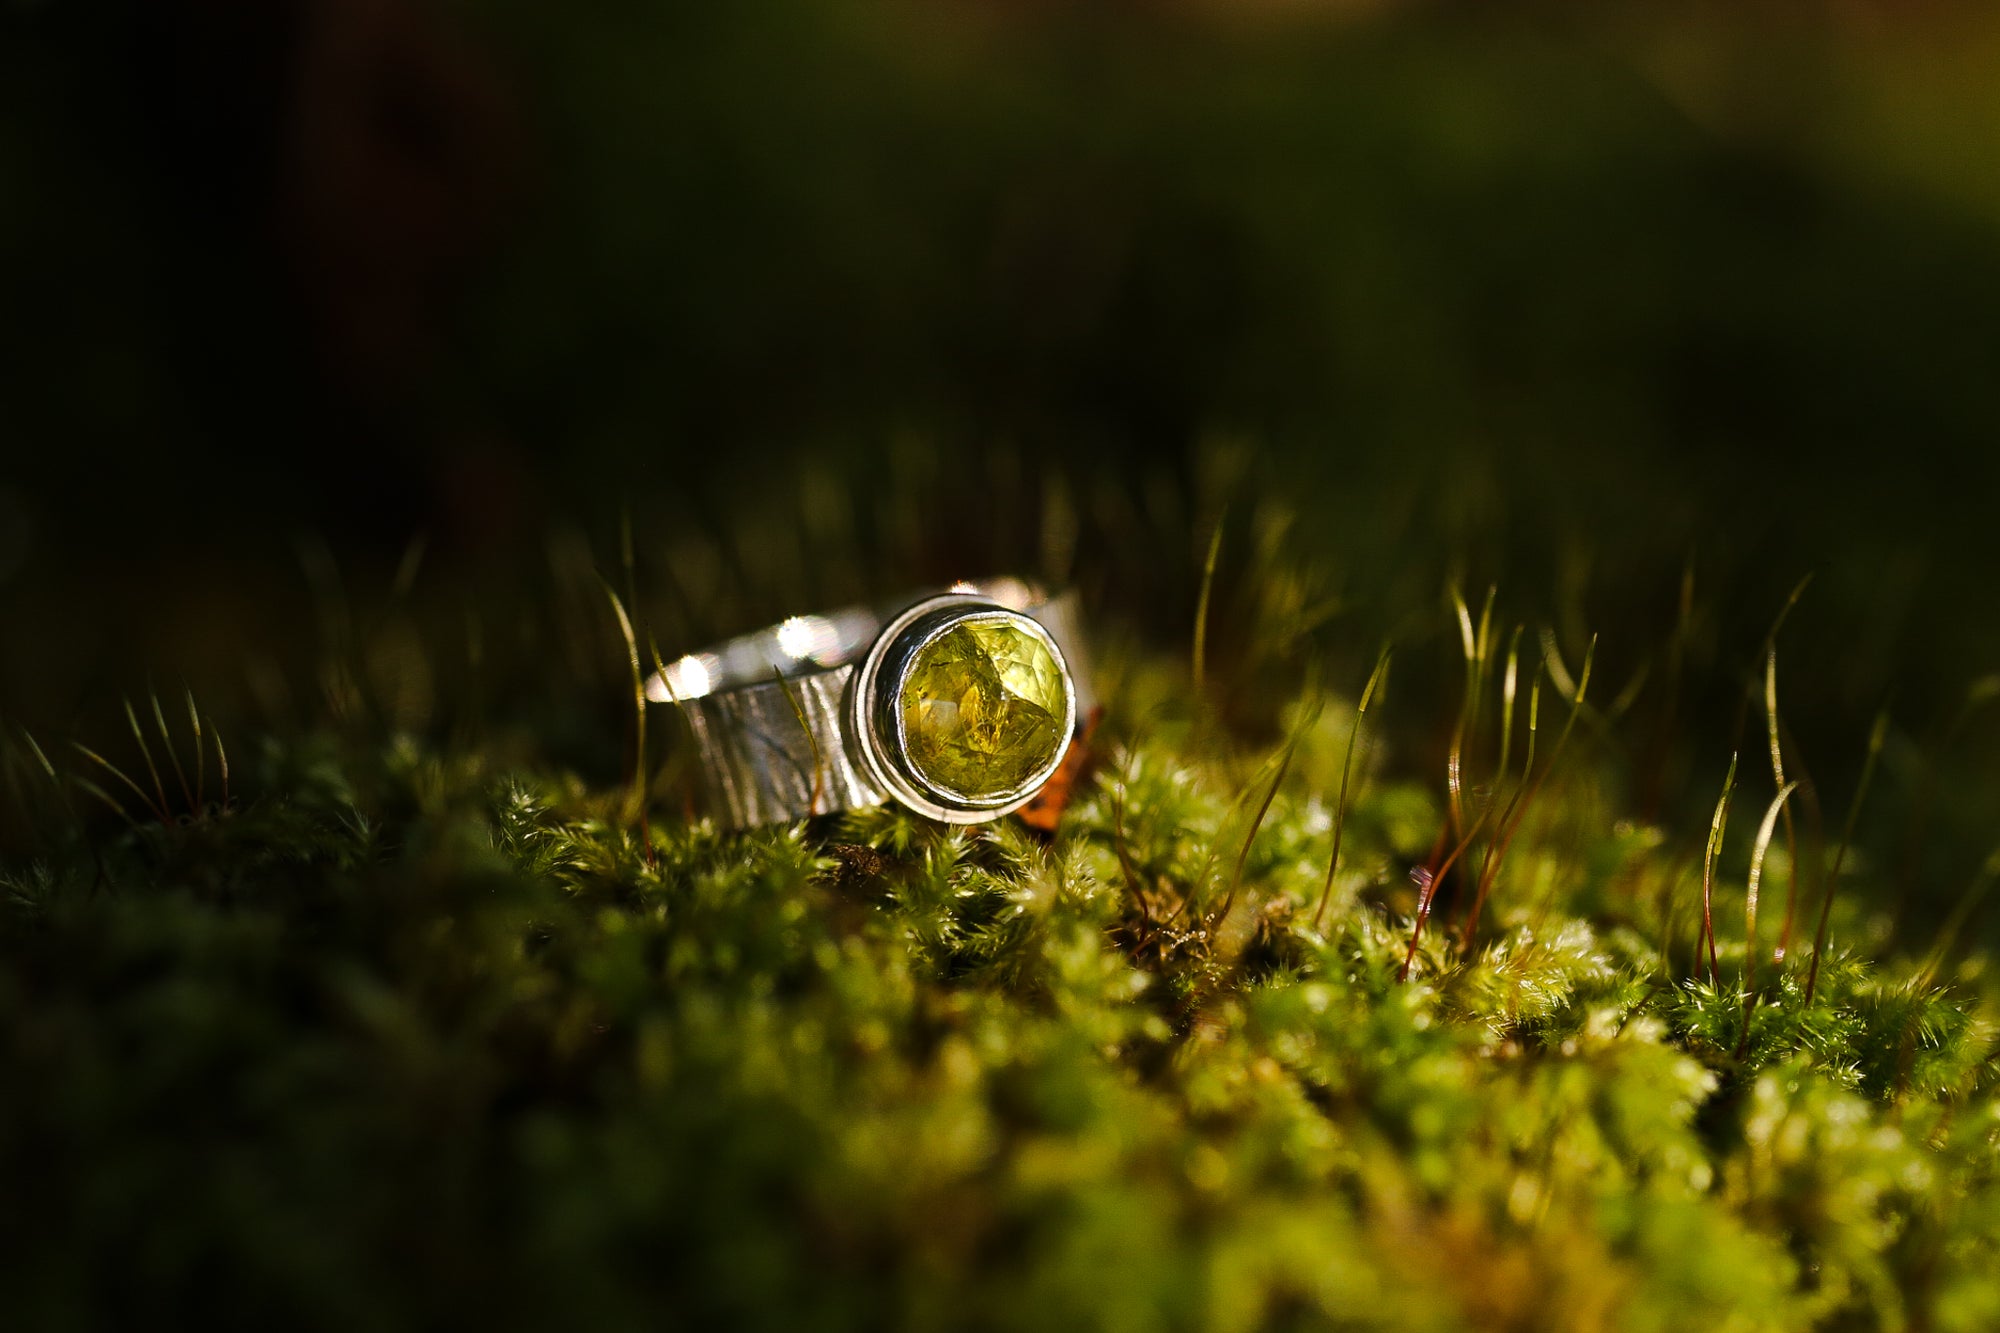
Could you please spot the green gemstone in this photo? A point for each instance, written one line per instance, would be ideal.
(983, 710)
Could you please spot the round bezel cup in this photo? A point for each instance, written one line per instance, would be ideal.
(877, 719)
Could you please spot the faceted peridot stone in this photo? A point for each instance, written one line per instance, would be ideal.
(983, 709)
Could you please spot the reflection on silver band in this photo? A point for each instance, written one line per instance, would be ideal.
(745, 699)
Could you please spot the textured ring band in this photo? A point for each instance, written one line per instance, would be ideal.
(959, 706)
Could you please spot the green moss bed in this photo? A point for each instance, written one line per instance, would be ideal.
(412, 1037)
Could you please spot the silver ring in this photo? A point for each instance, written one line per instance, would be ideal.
(959, 706)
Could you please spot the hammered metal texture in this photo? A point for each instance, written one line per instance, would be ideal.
(762, 767)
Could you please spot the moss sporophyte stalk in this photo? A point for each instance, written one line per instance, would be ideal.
(982, 709)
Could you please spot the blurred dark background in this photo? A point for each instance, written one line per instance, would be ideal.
(370, 329)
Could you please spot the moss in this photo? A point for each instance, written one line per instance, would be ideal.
(407, 1036)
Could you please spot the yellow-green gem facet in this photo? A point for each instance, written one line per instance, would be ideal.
(983, 708)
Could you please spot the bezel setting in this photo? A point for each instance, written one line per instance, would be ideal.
(877, 721)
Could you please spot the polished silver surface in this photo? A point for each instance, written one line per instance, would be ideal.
(775, 713)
